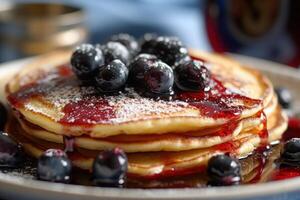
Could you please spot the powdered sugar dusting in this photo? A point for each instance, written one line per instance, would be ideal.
(123, 107)
(77, 104)
(132, 106)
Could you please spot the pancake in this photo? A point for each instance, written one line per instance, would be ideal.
(253, 169)
(145, 164)
(52, 98)
(146, 143)
(156, 164)
(164, 142)
(161, 137)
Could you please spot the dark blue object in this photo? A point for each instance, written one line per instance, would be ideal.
(10, 152)
(54, 166)
(115, 50)
(3, 116)
(223, 170)
(148, 43)
(128, 41)
(284, 97)
(138, 68)
(110, 167)
(85, 60)
(291, 153)
(170, 50)
(159, 79)
(111, 77)
(192, 75)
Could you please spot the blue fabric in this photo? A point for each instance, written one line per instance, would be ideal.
(182, 18)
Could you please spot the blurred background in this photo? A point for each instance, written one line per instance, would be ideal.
(267, 29)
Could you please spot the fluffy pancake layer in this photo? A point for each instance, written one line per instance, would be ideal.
(162, 142)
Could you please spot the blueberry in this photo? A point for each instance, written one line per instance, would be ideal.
(170, 50)
(148, 43)
(159, 79)
(85, 60)
(111, 77)
(138, 67)
(115, 50)
(128, 41)
(192, 75)
(11, 154)
(291, 152)
(223, 170)
(54, 166)
(284, 97)
(110, 167)
(3, 116)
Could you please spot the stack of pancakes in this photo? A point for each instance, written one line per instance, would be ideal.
(254, 169)
(161, 137)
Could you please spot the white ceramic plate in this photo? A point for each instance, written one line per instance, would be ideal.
(15, 187)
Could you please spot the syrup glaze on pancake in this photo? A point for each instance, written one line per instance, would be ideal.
(162, 142)
(152, 142)
(58, 103)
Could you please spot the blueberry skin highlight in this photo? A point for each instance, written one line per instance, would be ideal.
(223, 170)
(192, 75)
(54, 166)
(111, 77)
(11, 154)
(85, 61)
(159, 79)
(109, 168)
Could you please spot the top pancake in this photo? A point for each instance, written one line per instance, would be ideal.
(51, 97)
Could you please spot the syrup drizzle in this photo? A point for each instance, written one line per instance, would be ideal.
(218, 102)
(85, 112)
(69, 143)
(263, 134)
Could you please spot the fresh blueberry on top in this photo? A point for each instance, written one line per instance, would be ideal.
(137, 68)
(3, 116)
(170, 50)
(128, 41)
(223, 170)
(110, 167)
(159, 79)
(85, 60)
(111, 77)
(291, 152)
(54, 166)
(192, 75)
(10, 152)
(284, 97)
(148, 43)
(115, 50)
